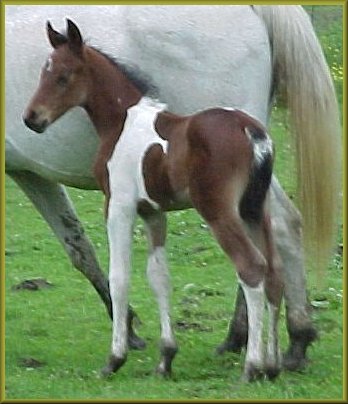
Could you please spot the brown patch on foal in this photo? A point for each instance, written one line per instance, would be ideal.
(100, 169)
(166, 174)
(221, 159)
(156, 223)
(155, 171)
(208, 161)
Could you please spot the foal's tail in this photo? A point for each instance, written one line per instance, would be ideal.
(260, 176)
(302, 76)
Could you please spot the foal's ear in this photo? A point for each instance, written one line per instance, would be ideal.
(74, 38)
(56, 39)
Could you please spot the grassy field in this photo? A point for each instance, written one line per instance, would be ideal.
(58, 338)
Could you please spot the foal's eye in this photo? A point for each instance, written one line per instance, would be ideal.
(62, 80)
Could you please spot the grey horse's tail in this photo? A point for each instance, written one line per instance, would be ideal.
(302, 76)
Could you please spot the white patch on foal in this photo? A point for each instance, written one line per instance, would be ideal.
(261, 147)
(159, 279)
(127, 187)
(125, 165)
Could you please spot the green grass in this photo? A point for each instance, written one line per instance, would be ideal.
(66, 327)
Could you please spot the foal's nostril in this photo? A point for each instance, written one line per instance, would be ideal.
(32, 116)
(27, 122)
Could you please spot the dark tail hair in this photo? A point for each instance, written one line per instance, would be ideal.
(251, 204)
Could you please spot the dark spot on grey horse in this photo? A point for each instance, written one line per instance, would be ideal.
(72, 222)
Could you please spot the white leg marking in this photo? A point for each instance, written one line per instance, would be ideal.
(255, 304)
(119, 225)
(159, 279)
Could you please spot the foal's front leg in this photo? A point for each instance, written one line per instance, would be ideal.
(159, 279)
(119, 227)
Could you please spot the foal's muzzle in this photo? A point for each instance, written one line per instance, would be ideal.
(33, 122)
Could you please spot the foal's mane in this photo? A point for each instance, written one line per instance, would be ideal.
(141, 80)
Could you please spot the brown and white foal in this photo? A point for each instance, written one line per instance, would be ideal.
(151, 161)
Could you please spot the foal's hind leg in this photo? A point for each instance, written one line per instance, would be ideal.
(158, 275)
(274, 293)
(286, 223)
(260, 233)
(251, 268)
(218, 202)
(53, 203)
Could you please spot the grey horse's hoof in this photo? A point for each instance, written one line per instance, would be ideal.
(167, 355)
(113, 365)
(252, 373)
(295, 357)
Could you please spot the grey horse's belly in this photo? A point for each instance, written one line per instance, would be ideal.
(64, 154)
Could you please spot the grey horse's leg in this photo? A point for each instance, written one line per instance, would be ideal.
(237, 335)
(53, 203)
(286, 222)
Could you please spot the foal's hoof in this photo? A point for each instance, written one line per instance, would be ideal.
(135, 342)
(113, 365)
(162, 371)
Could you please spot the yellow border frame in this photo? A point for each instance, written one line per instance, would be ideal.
(2, 178)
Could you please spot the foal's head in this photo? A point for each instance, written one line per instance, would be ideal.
(63, 81)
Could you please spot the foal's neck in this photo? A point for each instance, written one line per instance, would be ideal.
(110, 95)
